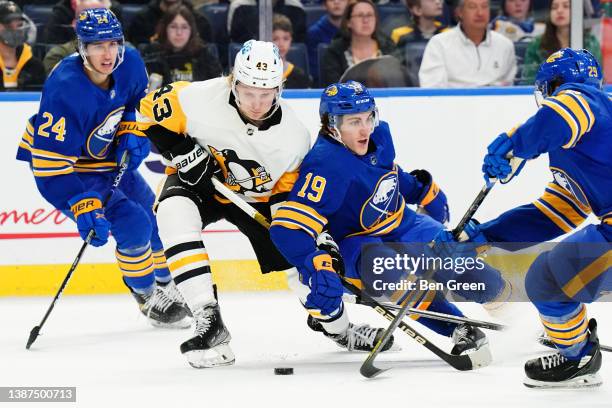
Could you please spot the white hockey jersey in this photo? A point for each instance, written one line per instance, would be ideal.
(256, 162)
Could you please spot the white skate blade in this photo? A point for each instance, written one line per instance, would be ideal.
(583, 381)
(184, 323)
(220, 355)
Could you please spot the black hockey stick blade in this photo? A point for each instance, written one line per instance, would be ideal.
(33, 335)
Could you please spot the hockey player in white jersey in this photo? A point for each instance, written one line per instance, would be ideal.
(239, 130)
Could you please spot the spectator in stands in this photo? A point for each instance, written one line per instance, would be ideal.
(179, 54)
(324, 30)
(60, 51)
(60, 26)
(143, 27)
(515, 21)
(424, 24)
(282, 36)
(469, 54)
(556, 36)
(243, 19)
(358, 40)
(20, 69)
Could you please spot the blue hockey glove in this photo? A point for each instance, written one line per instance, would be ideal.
(138, 147)
(325, 286)
(194, 165)
(499, 163)
(470, 243)
(89, 214)
(432, 199)
(471, 233)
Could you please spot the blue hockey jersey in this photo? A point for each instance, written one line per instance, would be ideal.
(345, 194)
(574, 126)
(77, 124)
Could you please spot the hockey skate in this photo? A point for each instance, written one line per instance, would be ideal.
(210, 345)
(355, 338)
(161, 310)
(556, 371)
(471, 340)
(173, 293)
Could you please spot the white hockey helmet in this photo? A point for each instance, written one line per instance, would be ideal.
(259, 64)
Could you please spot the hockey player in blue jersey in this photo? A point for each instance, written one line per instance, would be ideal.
(85, 123)
(350, 186)
(573, 125)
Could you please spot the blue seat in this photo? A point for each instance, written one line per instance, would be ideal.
(298, 55)
(216, 14)
(520, 48)
(413, 56)
(313, 13)
(321, 48)
(389, 9)
(39, 14)
(129, 11)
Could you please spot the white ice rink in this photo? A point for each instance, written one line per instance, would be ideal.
(102, 345)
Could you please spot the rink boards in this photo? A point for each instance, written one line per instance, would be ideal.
(444, 131)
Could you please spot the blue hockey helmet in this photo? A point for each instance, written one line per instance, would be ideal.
(568, 65)
(346, 98)
(98, 25)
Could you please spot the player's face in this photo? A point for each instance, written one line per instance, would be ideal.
(335, 8)
(282, 39)
(255, 103)
(560, 13)
(362, 21)
(355, 131)
(178, 32)
(518, 9)
(431, 8)
(474, 14)
(103, 55)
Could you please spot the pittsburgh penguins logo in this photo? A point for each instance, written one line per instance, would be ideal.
(241, 175)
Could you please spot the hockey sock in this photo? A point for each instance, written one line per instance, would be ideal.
(136, 265)
(436, 302)
(333, 325)
(568, 331)
(162, 273)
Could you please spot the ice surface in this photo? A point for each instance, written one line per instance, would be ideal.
(104, 347)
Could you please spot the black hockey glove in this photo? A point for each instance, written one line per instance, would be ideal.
(194, 165)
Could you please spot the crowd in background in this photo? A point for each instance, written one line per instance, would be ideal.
(428, 43)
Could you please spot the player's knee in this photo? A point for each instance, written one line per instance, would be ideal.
(539, 282)
(178, 215)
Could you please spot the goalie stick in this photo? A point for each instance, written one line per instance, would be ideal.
(36, 329)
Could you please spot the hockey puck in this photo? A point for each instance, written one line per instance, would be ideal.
(283, 371)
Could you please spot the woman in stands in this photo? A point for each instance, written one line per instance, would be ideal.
(359, 40)
(179, 54)
(556, 36)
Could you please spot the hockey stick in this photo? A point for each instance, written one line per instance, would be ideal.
(36, 329)
(368, 369)
(461, 362)
(545, 341)
(360, 298)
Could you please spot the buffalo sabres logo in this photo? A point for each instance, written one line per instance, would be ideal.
(103, 135)
(555, 56)
(570, 186)
(241, 175)
(331, 91)
(383, 203)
